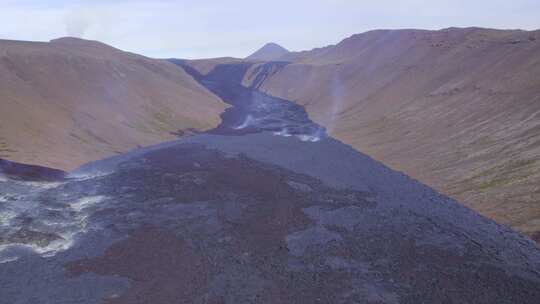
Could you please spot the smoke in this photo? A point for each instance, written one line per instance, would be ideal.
(77, 22)
(338, 92)
(247, 122)
(89, 22)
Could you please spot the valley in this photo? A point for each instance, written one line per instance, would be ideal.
(396, 166)
(252, 215)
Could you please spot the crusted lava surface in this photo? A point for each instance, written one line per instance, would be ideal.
(188, 223)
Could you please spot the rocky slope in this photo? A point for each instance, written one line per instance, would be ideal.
(458, 109)
(71, 101)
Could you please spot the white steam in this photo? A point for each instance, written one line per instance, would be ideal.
(77, 22)
(338, 95)
(247, 122)
(84, 22)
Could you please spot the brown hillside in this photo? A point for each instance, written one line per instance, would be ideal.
(70, 101)
(458, 109)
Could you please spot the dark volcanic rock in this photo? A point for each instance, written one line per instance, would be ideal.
(253, 111)
(25, 236)
(162, 267)
(221, 219)
(29, 172)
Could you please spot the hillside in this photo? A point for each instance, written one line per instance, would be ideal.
(71, 101)
(458, 109)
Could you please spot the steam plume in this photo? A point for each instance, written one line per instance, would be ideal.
(77, 22)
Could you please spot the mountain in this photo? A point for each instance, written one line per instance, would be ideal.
(70, 101)
(270, 51)
(458, 109)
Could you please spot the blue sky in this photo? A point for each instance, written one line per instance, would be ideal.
(204, 28)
